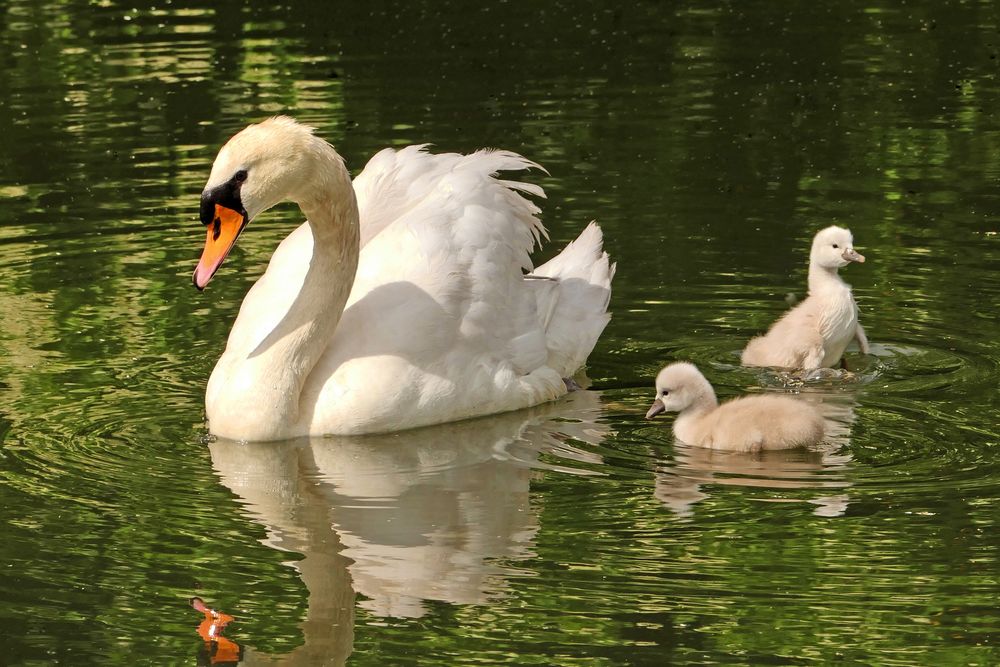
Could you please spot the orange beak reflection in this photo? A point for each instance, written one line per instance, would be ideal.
(222, 235)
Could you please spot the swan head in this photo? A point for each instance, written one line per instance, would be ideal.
(262, 165)
(833, 248)
(679, 386)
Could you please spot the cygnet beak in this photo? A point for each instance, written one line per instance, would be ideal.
(656, 408)
(852, 255)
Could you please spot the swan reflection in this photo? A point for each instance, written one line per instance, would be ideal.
(687, 479)
(435, 514)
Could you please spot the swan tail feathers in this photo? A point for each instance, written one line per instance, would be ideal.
(495, 161)
(580, 310)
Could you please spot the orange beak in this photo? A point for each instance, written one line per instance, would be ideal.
(221, 237)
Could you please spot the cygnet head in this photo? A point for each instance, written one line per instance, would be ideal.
(833, 248)
(679, 386)
(260, 166)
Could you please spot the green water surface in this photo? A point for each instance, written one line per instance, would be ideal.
(709, 139)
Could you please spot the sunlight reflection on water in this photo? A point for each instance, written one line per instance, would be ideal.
(710, 142)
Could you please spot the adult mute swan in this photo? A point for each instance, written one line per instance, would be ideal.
(816, 332)
(403, 300)
(746, 424)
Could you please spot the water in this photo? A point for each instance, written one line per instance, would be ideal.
(710, 141)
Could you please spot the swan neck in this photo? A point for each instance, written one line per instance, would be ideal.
(332, 214)
(823, 279)
(704, 401)
(332, 210)
(275, 363)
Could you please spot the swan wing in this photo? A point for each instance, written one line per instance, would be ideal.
(444, 225)
(441, 322)
(388, 185)
(394, 181)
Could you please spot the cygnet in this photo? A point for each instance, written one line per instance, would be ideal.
(746, 424)
(815, 333)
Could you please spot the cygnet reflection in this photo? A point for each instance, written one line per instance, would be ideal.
(437, 513)
(688, 479)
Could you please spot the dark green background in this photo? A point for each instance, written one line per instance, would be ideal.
(710, 139)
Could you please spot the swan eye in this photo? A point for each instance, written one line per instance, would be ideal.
(240, 176)
(834, 245)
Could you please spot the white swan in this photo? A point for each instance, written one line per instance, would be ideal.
(402, 301)
(816, 332)
(746, 424)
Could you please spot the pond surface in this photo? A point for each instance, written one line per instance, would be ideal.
(710, 142)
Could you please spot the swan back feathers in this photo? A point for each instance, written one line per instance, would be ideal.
(395, 181)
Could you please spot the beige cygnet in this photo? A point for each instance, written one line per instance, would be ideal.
(815, 333)
(746, 424)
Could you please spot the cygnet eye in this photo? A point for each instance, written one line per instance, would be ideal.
(834, 245)
(665, 392)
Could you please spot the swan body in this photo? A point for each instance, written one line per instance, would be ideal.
(403, 301)
(815, 333)
(747, 424)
